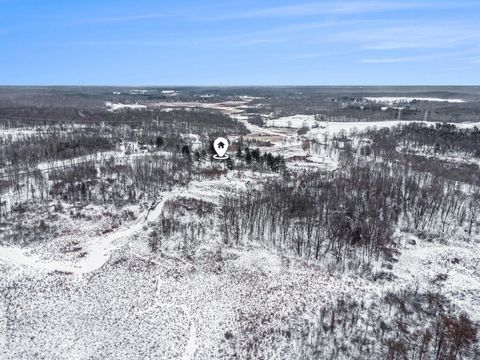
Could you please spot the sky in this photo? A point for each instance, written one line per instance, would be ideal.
(247, 42)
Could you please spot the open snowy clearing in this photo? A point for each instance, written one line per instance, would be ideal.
(227, 107)
(334, 127)
(119, 106)
(230, 107)
(97, 251)
(295, 121)
(391, 100)
(159, 309)
(451, 267)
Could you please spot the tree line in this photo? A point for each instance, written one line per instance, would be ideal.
(350, 213)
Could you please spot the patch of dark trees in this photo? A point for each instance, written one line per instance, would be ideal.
(119, 183)
(166, 122)
(254, 159)
(442, 138)
(29, 150)
(401, 325)
(350, 214)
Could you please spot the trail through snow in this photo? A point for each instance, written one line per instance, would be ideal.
(99, 249)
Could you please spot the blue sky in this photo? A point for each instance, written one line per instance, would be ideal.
(95, 42)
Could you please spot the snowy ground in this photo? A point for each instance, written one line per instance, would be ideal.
(227, 107)
(158, 306)
(118, 300)
(320, 128)
(391, 100)
(451, 267)
(210, 307)
(295, 121)
(119, 106)
(335, 127)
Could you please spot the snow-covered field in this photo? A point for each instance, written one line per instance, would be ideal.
(295, 121)
(143, 307)
(16, 133)
(449, 266)
(318, 128)
(335, 127)
(119, 106)
(157, 305)
(391, 100)
(227, 107)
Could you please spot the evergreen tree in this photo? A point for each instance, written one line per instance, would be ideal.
(239, 154)
(248, 156)
(159, 141)
(185, 151)
(256, 155)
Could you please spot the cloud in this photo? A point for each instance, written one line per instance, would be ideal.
(412, 36)
(313, 56)
(309, 10)
(231, 41)
(328, 8)
(255, 41)
(305, 26)
(393, 60)
(419, 58)
(117, 43)
(337, 8)
(135, 17)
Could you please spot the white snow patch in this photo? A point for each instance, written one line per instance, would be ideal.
(259, 260)
(395, 100)
(119, 106)
(138, 92)
(420, 266)
(334, 127)
(295, 121)
(169, 92)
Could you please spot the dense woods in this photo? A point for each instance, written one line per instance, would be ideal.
(29, 150)
(407, 325)
(442, 139)
(350, 214)
(152, 120)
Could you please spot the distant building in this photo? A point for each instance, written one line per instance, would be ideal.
(144, 148)
(193, 141)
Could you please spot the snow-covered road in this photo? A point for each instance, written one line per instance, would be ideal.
(98, 249)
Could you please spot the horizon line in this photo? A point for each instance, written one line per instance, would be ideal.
(237, 85)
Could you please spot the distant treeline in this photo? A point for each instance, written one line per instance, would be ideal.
(175, 121)
(65, 133)
(409, 145)
(442, 138)
(29, 150)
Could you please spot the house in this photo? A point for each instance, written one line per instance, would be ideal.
(130, 147)
(144, 148)
(197, 145)
(193, 141)
(120, 145)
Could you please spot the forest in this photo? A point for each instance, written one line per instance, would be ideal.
(315, 241)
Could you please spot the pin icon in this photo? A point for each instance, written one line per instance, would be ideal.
(221, 146)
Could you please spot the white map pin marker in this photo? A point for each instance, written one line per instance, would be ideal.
(221, 146)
